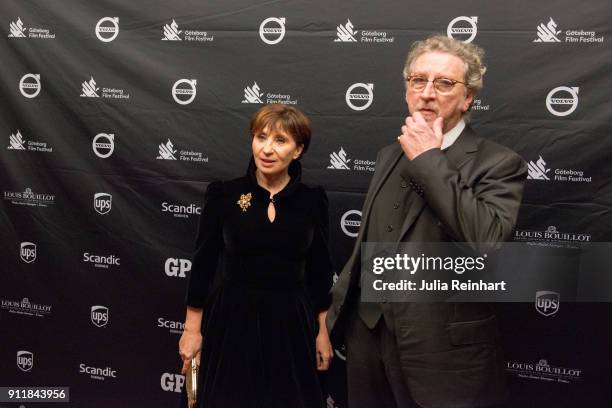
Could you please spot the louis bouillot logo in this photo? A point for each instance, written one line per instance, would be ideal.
(543, 371)
(18, 30)
(171, 32)
(26, 308)
(463, 28)
(29, 198)
(550, 33)
(346, 33)
(340, 161)
(90, 89)
(539, 170)
(17, 142)
(168, 152)
(254, 94)
(551, 237)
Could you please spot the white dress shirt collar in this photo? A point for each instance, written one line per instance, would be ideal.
(451, 136)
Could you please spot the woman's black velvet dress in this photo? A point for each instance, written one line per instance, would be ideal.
(261, 285)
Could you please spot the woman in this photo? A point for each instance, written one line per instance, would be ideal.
(266, 235)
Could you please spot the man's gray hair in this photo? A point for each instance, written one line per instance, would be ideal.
(471, 54)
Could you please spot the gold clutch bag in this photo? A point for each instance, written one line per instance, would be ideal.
(191, 381)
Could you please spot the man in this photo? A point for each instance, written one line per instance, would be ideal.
(439, 182)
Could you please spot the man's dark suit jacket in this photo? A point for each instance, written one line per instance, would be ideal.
(471, 192)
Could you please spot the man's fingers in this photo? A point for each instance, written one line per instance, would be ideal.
(418, 118)
(185, 367)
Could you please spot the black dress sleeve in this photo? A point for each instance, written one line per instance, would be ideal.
(209, 243)
(319, 268)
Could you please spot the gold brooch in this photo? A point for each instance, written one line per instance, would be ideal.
(245, 201)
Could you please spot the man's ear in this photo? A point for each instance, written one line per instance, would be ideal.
(469, 101)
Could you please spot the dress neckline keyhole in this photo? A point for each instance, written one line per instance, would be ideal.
(271, 211)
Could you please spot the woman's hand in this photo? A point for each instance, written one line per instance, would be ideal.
(325, 352)
(190, 346)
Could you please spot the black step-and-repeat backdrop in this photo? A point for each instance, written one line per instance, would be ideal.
(115, 115)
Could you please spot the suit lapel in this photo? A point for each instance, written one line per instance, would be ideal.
(390, 163)
(377, 183)
(458, 154)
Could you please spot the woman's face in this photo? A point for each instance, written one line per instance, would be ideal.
(274, 150)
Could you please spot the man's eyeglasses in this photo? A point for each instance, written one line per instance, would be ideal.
(441, 85)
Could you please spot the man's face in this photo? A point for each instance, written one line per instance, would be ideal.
(429, 102)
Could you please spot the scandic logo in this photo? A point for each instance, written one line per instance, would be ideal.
(181, 211)
(29, 85)
(272, 30)
(98, 373)
(107, 29)
(100, 261)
